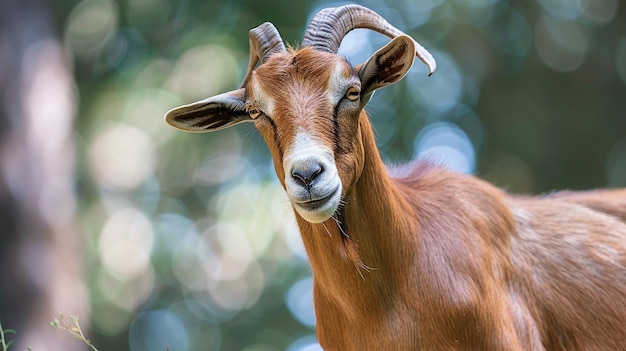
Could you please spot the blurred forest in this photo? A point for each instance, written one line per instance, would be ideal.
(156, 237)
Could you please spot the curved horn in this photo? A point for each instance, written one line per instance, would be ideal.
(328, 27)
(264, 41)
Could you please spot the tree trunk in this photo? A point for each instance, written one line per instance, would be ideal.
(40, 270)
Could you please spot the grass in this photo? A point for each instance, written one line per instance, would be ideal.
(3, 338)
(73, 328)
(60, 323)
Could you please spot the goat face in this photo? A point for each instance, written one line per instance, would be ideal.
(307, 106)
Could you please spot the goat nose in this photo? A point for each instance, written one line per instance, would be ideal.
(306, 174)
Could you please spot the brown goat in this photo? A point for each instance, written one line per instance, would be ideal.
(431, 260)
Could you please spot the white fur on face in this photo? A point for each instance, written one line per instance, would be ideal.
(319, 201)
(336, 85)
(263, 101)
(340, 79)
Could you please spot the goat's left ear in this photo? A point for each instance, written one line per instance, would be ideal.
(387, 66)
(217, 112)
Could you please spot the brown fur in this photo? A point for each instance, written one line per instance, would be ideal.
(459, 264)
(441, 261)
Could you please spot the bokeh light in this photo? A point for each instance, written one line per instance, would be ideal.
(155, 330)
(299, 300)
(121, 157)
(446, 144)
(204, 71)
(126, 244)
(561, 44)
(437, 93)
(91, 27)
(305, 343)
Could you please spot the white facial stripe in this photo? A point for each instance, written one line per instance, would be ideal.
(336, 84)
(304, 142)
(264, 102)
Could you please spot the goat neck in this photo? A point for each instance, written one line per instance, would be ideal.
(353, 250)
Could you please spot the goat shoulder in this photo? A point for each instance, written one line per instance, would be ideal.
(542, 272)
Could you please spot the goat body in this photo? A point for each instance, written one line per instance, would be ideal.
(455, 263)
(431, 260)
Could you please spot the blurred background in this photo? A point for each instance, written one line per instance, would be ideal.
(155, 237)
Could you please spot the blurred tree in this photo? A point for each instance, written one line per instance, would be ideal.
(40, 263)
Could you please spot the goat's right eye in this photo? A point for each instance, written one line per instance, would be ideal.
(254, 113)
(353, 93)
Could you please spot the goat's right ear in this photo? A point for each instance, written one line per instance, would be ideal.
(217, 112)
(386, 66)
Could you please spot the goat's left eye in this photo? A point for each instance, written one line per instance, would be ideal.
(353, 93)
(254, 113)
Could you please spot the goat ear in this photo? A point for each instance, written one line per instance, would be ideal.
(217, 112)
(387, 66)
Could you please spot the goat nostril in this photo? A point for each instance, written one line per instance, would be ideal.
(306, 175)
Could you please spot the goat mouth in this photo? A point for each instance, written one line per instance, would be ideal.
(319, 210)
(311, 205)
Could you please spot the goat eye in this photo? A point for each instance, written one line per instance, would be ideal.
(254, 113)
(353, 94)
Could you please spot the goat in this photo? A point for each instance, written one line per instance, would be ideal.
(430, 260)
